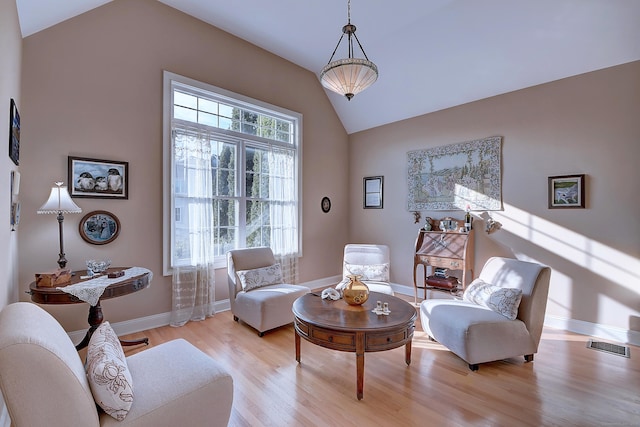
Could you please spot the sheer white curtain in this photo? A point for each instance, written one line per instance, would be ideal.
(193, 294)
(283, 211)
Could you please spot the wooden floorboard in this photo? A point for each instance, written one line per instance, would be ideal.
(566, 385)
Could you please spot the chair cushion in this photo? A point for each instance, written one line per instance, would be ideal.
(373, 272)
(259, 277)
(504, 301)
(108, 373)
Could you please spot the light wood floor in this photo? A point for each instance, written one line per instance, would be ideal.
(566, 385)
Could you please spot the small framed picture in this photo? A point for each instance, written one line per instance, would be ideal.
(566, 191)
(372, 192)
(99, 227)
(14, 134)
(93, 178)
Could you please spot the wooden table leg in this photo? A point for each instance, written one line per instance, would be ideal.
(95, 319)
(360, 365)
(407, 353)
(297, 341)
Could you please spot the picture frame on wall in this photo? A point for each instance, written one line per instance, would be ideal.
(14, 133)
(372, 192)
(100, 179)
(566, 192)
(99, 227)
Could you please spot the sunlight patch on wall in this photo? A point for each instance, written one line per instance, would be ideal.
(605, 261)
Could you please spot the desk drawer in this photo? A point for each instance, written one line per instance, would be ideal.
(452, 263)
(333, 337)
(384, 341)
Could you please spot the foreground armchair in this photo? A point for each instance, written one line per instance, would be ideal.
(44, 381)
(256, 293)
(492, 321)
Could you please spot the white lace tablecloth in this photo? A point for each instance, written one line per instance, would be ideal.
(91, 290)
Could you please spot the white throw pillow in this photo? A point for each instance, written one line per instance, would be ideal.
(108, 373)
(259, 277)
(501, 300)
(368, 272)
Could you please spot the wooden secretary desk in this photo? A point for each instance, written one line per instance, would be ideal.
(449, 248)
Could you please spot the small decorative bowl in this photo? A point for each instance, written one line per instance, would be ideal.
(98, 266)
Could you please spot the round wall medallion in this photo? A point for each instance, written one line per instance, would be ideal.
(99, 227)
(325, 204)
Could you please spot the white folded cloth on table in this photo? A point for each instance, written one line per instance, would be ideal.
(91, 290)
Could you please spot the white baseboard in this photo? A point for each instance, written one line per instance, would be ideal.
(609, 333)
(580, 327)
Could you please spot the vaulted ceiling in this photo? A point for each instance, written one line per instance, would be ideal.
(432, 54)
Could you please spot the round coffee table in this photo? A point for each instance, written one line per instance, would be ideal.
(340, 326)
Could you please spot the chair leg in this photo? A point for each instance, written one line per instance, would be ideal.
(473, 367)
(260, 334)
(528, 357)
(235, 318)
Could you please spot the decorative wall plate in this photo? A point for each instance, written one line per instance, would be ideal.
(99, 227)
(325, 204)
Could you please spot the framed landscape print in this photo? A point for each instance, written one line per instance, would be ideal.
(103, 179)
(14, 133)
(566, 191)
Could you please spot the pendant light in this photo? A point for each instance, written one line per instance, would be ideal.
(351, 75)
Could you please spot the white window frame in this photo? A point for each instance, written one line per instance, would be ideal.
(233, 99)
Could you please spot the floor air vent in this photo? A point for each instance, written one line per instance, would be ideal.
(609, 348)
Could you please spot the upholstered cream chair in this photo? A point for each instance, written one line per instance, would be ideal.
(44, 383)
(478, 333)
(268, 305)
(369, 261)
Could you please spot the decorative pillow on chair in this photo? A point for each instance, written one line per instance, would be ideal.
(501, 300)
(369, 272)
(108, 373)
(258, 277)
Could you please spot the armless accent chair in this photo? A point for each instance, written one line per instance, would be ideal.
(44, 382)
(256, 292)
(488, 324)
(369, 261)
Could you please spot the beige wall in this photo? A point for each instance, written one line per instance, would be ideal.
(92, 86)
(587, 124)
(11, 48)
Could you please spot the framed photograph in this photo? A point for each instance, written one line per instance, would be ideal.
(98, 178)
(372, 192)
(566, 191)
(14, 133)
(99, 227)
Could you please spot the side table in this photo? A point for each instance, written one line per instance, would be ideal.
(127, 286)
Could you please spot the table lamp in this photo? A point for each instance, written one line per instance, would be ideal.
(59, 202)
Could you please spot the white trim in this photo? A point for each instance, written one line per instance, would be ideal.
(609, 333)
(596, 330)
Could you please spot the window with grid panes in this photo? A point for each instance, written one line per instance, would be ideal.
(255, 151)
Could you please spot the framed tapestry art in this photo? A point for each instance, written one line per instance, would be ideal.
(98, 178)
(455, 176)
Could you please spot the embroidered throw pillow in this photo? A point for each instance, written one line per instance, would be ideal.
(501, 300)
(369, 272)
(259, 277)
(108, 373)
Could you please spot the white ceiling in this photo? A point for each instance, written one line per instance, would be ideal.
(431, 54)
